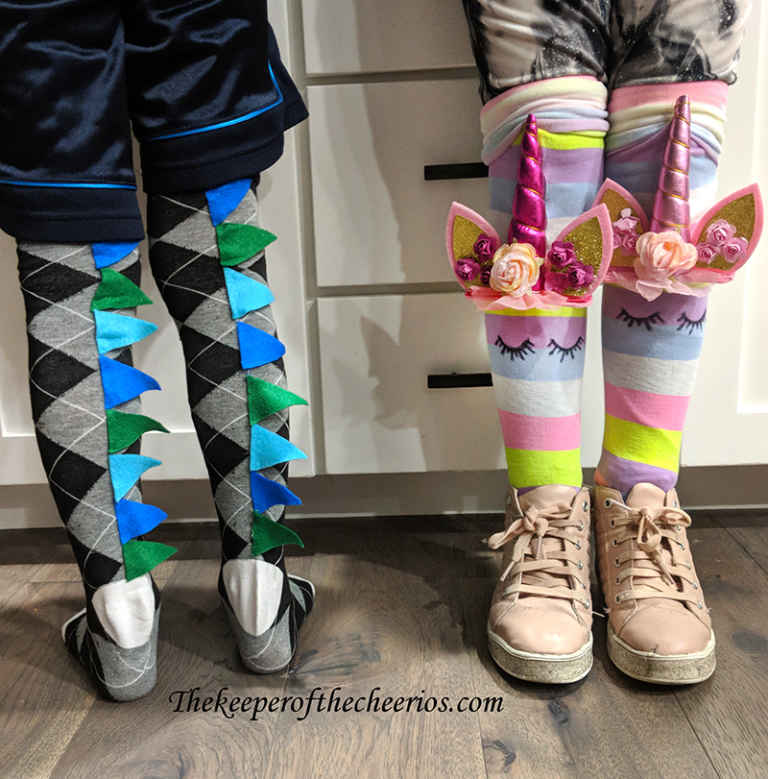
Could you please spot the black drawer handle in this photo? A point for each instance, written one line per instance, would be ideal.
(459, 170)
(454, 380)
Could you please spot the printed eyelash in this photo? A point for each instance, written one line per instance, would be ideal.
(526, 347)
(691, 324)
(570, 351)
(641, 321)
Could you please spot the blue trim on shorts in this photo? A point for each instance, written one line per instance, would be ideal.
(229, 122)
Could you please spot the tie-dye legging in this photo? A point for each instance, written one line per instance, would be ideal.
(602, 78)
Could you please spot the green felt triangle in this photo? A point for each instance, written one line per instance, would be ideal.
(123, 429)
(117, 291)
(267, 534)
(265, 399)
(238, 243)
(140, 557)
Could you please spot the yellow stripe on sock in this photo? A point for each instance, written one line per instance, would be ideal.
(584, 139)
(649, 445)
(561, 311)
(532, 468)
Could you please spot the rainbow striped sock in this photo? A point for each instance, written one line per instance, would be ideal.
(537, 357)
(572, 120)
(537, 361)
(650, 354)
(651, 349)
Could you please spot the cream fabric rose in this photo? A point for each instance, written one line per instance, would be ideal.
(515, 269)
(663, 255)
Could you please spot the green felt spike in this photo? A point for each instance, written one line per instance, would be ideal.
(117, 291)
(140, 557)
(238, 243)
(267, 534)
(265, 399)
(123, 429)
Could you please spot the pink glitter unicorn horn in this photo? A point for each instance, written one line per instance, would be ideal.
(529, 216)
(671, 210)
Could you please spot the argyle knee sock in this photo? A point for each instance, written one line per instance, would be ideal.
(537, 357)
(84, 394)
(651, 348)
(208, 259)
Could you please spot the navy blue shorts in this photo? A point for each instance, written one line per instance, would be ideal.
(200, 82)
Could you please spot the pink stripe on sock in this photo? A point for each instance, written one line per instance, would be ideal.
(712, 92)
(553, 434)
(646, 408)
(541, 330)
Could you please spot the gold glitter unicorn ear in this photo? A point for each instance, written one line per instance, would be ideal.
(628, 220)
(471, 243)
(727, 235)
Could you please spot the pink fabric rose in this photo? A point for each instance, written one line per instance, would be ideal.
(562, 254)
(484, 247)
(720, 231)
(576, 276)
(734, 249)
(581, 275)
(707, 252)
(624, 231)
(663, 255)
(626, 223)
(515, 269)
(629, 243)
(466, 269)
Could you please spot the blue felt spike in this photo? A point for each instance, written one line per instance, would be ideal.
(105, 254)
(134, 519)
(122, 382)
(257, 347)
(114, 331)
(126, 469)
(245, 294)
(266, 493)
(223, 200)
(268, 449)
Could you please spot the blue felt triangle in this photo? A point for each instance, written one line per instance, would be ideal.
(126, 469)
(134, 519)
(266, 493)
(114, 331)
(245, 294)
(122, 382)
(223, 200)
(257, 347)
(105, 254)
(268, 448)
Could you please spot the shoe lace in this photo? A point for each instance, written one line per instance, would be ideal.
(655, 564)
(543, 560)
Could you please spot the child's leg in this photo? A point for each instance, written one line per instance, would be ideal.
(549, 62)
(201, 150)
(239, 403)
(659, 628)
(67, 193)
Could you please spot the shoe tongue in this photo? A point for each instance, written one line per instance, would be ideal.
(541, 497)
(645, 495)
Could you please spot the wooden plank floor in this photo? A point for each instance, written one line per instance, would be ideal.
(401, 607)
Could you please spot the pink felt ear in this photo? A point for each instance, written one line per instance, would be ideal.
(727, 235)
(468, 256)
(592, 238)
(617, 200)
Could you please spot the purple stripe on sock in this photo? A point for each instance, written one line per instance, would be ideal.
(670, 306)
(623, 474)
(577, 165)
(565, 330)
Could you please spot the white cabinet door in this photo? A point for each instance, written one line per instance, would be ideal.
(728, 418)
(377, 221)
(378, 414)
(357, 36)
(160, 355)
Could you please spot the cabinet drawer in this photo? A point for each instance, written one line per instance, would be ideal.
(357, 36)
(376, 219)
(377, 353)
